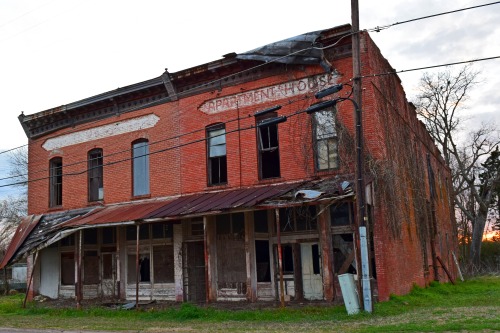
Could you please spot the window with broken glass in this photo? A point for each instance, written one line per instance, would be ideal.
(140, 167)
(156, 254)
(95, 175)
(268, 146)
(216, 151)
(295, 219)
(325, 140)
(56, 181)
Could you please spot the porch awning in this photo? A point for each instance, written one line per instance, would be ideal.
(39, 231)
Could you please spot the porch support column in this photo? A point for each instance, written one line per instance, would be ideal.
(78, 280)
(30, 290)
(280, 258)
(137, 267)
(250, 257)
(178, 277)
(210, 242)
(325, 241)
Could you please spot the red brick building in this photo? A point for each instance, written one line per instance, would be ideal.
(181, 188)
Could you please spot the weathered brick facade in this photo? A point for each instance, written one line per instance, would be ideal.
(411, 220)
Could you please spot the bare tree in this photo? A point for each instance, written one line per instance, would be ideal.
(440, 105)
(18, 162)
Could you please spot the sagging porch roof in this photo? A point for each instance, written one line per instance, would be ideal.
(39, 231)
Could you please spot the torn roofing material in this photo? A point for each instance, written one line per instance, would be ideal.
(299, 50)
(39, 231)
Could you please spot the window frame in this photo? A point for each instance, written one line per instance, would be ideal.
(220, 160)
(140, 179)
(55, 182)
(268, 155)
(95, 170)
(327, 138)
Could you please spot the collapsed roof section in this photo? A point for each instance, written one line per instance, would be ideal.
(39, 231)
(306, 49)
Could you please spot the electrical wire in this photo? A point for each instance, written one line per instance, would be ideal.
(377, 29)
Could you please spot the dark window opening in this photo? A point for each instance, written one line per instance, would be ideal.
(140, 167)
(260, 221)
(268, 146)
(108, 235)
(90, 236)
(95, 175)
(325, 138)
(144, 268)
(262, 260)
(56, 176)
(230, 224)
(315, 258)
(216, 151)
(341, 214)
(287, 258)
(162, 230)
(68, 240)
(131, 232)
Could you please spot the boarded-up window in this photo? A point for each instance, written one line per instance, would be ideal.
(140, 167)
(107, 266)
(163, 263)
(67, 268)
(90, 268)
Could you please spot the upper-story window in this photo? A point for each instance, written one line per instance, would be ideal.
(268, 146)
(55, 185)
(325, 140)
(95, 175)
(140, 167)
(216, 151)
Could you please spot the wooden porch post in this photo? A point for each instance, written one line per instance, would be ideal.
(78, 288)
(137, 268)
(280, 260)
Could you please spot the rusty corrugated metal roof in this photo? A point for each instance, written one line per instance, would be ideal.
(115, 214)
(220, 201)
(23, 231)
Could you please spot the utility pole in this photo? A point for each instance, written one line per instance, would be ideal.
(360, 187)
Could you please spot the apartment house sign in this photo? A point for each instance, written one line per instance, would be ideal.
(270, 93)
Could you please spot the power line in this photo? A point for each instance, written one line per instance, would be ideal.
(429, 67)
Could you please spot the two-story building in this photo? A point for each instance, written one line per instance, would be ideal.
(213, 183)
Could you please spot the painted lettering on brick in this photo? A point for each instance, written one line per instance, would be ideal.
(269, 94)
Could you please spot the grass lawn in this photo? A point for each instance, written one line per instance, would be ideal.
(473, 305)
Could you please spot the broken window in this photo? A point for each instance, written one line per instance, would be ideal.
(298, 219)
(216, 149)
(262, 260)
(55, 187)
(107, 266)
(163, 264)
(140, 167)
(267, 139)
(325, 140)
(340, 214)
(95, 175)
(287, 258)
(67, 268)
